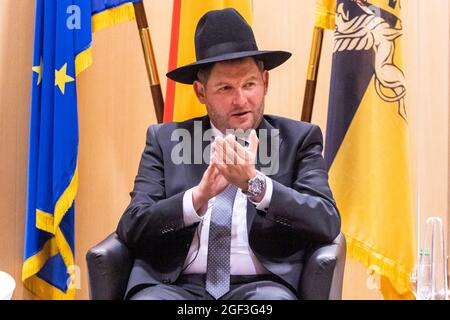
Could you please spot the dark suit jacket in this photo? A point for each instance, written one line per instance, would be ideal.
(301, 212)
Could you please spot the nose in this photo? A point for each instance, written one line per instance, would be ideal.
(239, 98)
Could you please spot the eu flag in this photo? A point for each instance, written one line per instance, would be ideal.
(63, 36)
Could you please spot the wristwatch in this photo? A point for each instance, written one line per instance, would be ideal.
(256, 186)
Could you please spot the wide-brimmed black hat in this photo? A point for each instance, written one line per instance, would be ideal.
(224, 35)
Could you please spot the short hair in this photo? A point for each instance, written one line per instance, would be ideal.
(204, 72)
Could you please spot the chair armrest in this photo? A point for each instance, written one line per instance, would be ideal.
(109, 264)
(323, 272)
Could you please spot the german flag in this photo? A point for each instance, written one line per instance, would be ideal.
(181, 102)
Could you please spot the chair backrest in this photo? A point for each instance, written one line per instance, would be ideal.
(323, 271)
(109, 264)
(338, 275)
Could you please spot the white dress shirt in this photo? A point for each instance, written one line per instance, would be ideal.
(242, 259)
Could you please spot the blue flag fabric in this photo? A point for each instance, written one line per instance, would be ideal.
(63, 36)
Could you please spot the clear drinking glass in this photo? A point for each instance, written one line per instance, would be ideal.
(424, 276)
(432, 267)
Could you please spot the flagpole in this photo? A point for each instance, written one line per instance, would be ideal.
(313, 69)
(150, 61)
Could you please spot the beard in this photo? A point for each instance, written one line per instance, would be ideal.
(223, 121)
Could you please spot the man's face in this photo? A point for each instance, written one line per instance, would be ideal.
(234, 94)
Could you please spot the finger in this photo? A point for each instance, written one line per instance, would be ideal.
(223, 153)
(217, 169)
(220, 168)
(230, 153)
(254, 141)
(223, 170)
(210, 171)
(214, 151)
(214, 162)
(240, 153)
(219, 151)
(227, 151)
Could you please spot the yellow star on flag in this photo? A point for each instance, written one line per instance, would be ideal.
(38, 69)
(61, 78)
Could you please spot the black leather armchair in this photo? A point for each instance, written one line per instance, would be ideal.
(109, 265)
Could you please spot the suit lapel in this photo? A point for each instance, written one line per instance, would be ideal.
(267, 132)
(197, 169)
(270, 134)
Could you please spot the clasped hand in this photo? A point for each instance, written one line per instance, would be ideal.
(231, 163)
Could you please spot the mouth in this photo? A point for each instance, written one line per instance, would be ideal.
(240, 114)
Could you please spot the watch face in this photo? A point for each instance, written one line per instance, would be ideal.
(255, 186)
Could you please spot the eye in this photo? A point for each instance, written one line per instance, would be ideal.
(250, 85)
(225, 88)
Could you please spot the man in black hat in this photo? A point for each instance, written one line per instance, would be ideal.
(228, 212)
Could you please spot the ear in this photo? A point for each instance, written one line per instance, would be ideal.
(199, 90)
(266, 81)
